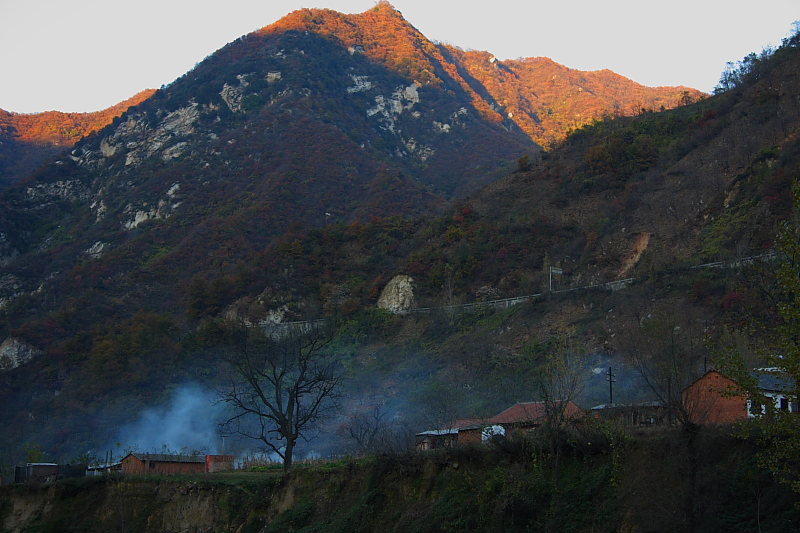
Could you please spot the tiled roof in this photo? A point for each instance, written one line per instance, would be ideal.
(520, 412)
(468, 423)
(530, 412)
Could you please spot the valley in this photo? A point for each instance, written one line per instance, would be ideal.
(457, 228)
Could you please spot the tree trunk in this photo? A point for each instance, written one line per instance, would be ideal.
(691, 434)
(287, 455)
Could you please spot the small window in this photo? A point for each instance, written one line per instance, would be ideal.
(783, 404)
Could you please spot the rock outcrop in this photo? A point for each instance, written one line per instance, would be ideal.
(14, 352)
(398, 295)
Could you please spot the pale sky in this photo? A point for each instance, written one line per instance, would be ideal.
(85, 55)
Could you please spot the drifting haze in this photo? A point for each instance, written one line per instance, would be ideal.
(188, 422)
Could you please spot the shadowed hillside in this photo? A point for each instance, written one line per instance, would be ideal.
(29, 140)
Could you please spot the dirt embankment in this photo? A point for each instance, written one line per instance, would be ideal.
(629, 483)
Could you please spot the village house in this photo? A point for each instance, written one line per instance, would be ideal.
(775, 385)
(160, 463)
(520, 418)
(527, 416)
(716, 399)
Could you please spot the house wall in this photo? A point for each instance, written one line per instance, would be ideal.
(133, 465)
(219, 463)
(778, 399)
(424, 444)
(633, 415)
(469, 436)
(712, 399)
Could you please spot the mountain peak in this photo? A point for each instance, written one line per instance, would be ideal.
(387, 8)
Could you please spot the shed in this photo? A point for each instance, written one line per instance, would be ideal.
(36, 473)
(436, 438)
(219, 463)
(641, 414)
(159, 463)
(469, 430)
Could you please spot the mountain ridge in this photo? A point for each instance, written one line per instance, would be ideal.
(382, 34)
(27, 140)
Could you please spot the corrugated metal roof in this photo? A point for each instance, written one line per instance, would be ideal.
(654, 403)
(438, 432)
(773, 380)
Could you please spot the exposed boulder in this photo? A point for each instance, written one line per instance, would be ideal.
(14, 352)
(398, 295)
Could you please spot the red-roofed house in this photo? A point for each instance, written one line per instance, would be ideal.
(714, 399)
(530, 415)
(520, 417)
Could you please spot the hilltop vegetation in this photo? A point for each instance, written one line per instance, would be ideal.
(29, 140)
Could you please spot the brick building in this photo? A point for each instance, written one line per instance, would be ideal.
(714, 399)
(160, 463)
(219, 463)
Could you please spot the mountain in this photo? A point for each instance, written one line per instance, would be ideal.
(536, 96)
(294, 172)
(707, 182)
(29, 140)
(320, 117)
(540, 97)
(547, 100)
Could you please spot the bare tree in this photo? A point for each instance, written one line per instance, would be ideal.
(668, 350)
(283, 385)
(372, 429)
(560, 380)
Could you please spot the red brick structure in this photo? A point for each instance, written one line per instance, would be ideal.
(159, 463)
(219, 463)
(714, 399)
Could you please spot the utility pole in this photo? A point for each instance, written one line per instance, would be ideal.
(610, 378)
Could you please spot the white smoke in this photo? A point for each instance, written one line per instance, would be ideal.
(188, 422)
